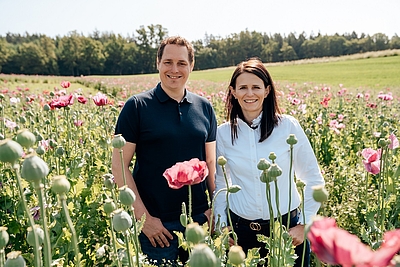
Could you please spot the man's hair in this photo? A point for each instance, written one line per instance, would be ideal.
(176, 40)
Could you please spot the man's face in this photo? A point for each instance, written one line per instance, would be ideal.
(174, 67)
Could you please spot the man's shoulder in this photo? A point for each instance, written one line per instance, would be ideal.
(196, 98)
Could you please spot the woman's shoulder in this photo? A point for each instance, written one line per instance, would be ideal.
(287, 119)
(224, 126)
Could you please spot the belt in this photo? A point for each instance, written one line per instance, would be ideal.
(257, 225)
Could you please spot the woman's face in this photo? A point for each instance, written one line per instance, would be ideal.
(250, 92)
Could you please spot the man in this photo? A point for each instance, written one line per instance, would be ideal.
(163, 126)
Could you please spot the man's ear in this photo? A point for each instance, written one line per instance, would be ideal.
(192, 66)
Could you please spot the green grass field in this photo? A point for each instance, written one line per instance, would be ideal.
(371, 73)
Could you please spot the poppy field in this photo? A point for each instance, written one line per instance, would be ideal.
(66, 127)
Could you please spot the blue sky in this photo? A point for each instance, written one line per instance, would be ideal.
(194, 19)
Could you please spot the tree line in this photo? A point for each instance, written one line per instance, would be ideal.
(112, 54)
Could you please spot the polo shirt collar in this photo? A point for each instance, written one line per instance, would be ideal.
(163, 97)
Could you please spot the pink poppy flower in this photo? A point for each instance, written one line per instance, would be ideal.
(81, 99)
(62, 101)
(78, 123)
(100, 99)
(372, 160)
(186, 173)
(394, 142)
(65, 84)
(325, 102)
(10, 124)
(333, 245)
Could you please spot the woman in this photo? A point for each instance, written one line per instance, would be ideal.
(255, 127)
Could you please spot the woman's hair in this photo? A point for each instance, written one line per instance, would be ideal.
(176, 40)
(271, 110)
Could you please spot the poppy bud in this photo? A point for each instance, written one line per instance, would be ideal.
(60, 184)
(126, 196)
(234, 188)
(122, 220)
(4, 237)
(30, 236)
(292, 140)
(10, 151)
(118, 141)
(25, 138)
(14, 259)
(319, 193)
(221, 160)
(109, 206)
(202, 256)
(263, 164)
(183, 219)
(195, 233)
(236, 255)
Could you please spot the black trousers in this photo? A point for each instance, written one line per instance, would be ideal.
(247, 231)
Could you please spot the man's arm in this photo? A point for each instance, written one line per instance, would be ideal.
(153, 228)
(211, 161)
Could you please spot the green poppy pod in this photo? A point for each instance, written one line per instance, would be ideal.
(4, 237)
(221, 160)
(14, 259)
(60, 184)
(122, 220)
(109, 206)
(319, 193)
(10, 151)
(109, 181)
(202, 256)
(272, 156)
(34, 169)
(126, 196)
(40, 150)
(236, 255)
(195, 233)
(118, 141)
(30, 238)
(292, 140)
(263, 164)
(274, 170)
(26, 138)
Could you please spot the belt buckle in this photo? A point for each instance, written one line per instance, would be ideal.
(255, 226)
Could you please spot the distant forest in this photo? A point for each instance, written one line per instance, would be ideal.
(112, 54)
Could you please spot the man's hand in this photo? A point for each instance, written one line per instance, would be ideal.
(297, 234)
(156, 232)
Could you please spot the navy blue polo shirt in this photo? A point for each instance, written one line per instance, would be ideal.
(166, 132)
